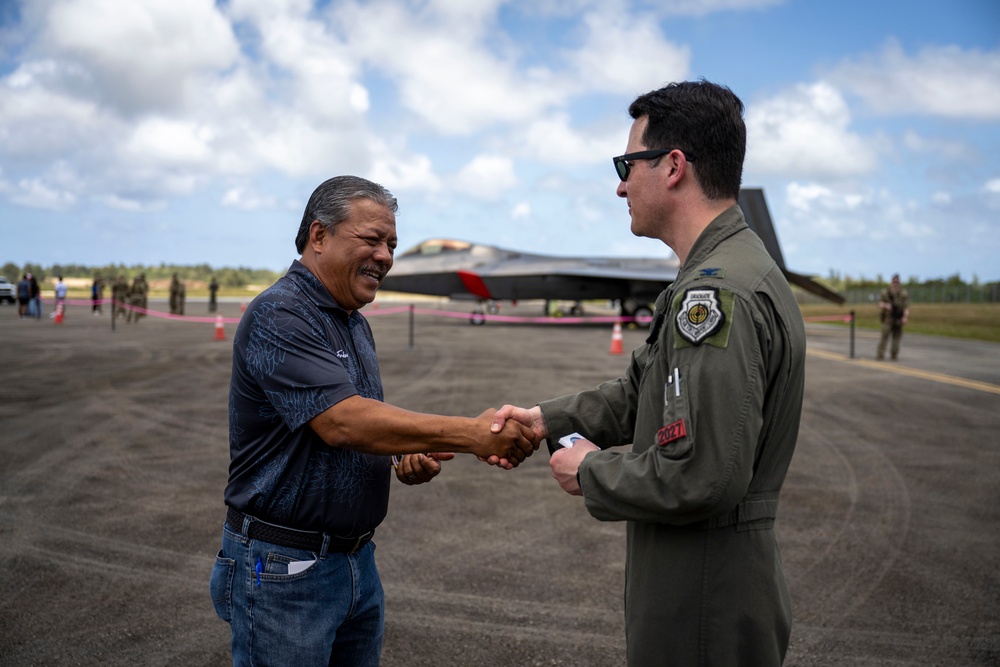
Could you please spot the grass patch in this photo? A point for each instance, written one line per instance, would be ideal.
(975, 321)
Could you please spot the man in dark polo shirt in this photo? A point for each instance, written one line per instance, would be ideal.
(312, 444)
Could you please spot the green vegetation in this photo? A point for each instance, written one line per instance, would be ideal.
(977, 321)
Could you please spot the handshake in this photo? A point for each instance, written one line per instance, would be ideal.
(504, 438)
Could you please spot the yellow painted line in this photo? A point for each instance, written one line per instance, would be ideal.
(912, 372)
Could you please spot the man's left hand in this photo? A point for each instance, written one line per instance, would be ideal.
(565, 464)
(420, 468)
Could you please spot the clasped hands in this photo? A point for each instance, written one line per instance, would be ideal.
(565, 462)
(520, 431)
(505, 443)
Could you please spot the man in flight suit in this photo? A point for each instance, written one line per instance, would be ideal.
(710, 404)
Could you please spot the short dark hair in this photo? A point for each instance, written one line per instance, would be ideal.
(330, 203)
(705, 120)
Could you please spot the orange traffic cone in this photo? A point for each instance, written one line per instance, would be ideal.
(616, 339)
(59, 313)
(220, 330)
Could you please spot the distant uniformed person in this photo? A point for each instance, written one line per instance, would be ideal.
(894, 305)
(137, 298)
(175, 295)
(213, 290)
(120, 296)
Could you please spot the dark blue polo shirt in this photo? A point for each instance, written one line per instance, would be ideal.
(295, 354)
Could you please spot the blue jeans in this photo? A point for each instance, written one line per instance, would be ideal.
(330, 613)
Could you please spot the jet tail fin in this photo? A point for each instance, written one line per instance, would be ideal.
(758, 217)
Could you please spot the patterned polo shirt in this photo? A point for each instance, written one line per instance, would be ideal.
(295, 354)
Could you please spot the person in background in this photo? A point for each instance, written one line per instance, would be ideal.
(97, 294)
(213, 290)
(710, 404)
(313, 445)
(60, 298)
(137, 295)
(894, 312)
(35, 302)
(23, 296)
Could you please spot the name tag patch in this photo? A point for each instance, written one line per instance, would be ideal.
(671, 432)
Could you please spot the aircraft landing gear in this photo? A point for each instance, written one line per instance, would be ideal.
(642, 312)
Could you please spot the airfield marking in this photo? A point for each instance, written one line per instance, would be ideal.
(906, 370)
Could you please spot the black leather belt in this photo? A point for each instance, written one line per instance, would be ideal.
(294, 539)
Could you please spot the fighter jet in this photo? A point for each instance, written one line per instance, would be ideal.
(472, 271)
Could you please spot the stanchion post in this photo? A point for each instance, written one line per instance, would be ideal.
(113, 318)
(852, 334)
(411, 326)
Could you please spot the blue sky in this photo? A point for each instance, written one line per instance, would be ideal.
(192, 131)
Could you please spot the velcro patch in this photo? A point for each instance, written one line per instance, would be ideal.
(671, 432)
(704, 315)
(711, 273)
(700, 315)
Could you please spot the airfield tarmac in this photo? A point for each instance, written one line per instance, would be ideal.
(114, 455)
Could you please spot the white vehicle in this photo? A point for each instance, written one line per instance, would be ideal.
(8, 292)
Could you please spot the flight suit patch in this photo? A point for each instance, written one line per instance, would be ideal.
(671, 432)
(711, 273)
(704, 315)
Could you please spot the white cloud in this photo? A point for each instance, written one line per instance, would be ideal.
(521, 211)
(246, 199)
(171, 141)
(141, 55)
(34, 193)
(609, 60)
(819, 212)
(992, 186)
(447, 76)
(805, 133)
(940, 80)
(486, 177)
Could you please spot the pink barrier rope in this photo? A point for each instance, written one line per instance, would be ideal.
(393, 310)
(828, 318)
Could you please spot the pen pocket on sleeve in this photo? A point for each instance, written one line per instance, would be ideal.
(676, 435)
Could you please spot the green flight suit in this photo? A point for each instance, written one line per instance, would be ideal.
(711, 404)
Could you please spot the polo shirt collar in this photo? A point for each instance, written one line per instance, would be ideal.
(313, 289)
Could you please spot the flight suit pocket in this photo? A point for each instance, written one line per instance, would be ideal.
(675, 437)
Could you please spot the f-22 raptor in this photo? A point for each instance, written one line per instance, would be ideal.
(487, 274)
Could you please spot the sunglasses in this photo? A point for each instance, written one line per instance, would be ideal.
(623, 167)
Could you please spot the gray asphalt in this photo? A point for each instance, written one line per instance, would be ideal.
(113, 460)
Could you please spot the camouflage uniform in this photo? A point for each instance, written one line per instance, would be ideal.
(137, 297)
(175, 290)
(893, 318)
(119, 294)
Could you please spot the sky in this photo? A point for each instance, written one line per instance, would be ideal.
(193, 132)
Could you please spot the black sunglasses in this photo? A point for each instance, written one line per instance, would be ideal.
(623, 167)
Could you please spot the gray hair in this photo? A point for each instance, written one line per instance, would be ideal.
(330, 203)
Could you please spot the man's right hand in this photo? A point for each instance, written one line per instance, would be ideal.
(508, 443)
(531, 419)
